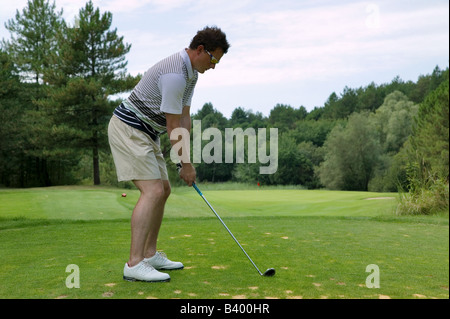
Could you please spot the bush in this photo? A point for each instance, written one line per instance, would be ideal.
(425, 201)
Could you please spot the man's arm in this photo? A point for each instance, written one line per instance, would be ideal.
(183, 120)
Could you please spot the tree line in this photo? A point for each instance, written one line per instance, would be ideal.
(57, 79)
(362, 139)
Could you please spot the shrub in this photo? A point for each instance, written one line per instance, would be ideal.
(425, 201)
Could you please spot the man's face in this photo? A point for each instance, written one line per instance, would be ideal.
(208, 59)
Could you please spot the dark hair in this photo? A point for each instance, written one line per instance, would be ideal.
(211, 38)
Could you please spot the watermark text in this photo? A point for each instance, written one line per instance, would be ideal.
(233, 145)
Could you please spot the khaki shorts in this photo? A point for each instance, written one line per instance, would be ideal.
(136, 155)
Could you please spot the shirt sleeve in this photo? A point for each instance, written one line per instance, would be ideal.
(187, 100)
(172, 88)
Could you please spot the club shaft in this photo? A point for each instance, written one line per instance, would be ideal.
(220, 219)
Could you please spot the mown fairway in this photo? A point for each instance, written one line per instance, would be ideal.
(319, 242)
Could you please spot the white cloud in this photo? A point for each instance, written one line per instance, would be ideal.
(132, 5)
(330, 41)
(11, 6)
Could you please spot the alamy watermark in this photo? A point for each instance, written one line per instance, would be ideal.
(373, 17)
(373, 280)
(258, 148)
(73, 280)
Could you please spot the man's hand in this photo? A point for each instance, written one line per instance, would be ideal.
(187, 173)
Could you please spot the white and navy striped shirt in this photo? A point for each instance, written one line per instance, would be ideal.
(166, 87)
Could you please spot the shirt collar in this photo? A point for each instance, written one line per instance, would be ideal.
(187, 61)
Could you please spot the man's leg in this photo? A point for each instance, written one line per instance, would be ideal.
(147, 217)
(151, 243)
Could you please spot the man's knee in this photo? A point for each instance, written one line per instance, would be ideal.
(167, 189)
(152, 189)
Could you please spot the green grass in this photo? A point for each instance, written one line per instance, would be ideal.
(319, 242)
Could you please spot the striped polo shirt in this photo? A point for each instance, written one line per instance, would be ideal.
(166, 87)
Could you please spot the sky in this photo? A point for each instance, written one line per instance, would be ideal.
(294, 52)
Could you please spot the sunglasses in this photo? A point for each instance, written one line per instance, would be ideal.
(213, 59)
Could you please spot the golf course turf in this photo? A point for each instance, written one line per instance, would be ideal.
(319, 242)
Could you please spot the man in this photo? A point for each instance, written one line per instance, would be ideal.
(159, 103)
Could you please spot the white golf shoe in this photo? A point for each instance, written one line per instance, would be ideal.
(161, 262)
(144, 272)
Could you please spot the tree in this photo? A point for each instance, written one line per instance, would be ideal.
(315, 155)
(284, 116)
(246, 118)
(351, 156)
(427, 152)
(316, 114)
(294, 168)
(313, 131)
(370, 98)
(10, 115)
(91, 66)
(339, 108)
(394, 121)
(238, 117)
(428, 83)
(430, 139)
(33, 38)
(33, 41)
(211, 118)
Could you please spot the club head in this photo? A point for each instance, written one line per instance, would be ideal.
(269, 272)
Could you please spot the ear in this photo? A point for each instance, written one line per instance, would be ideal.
(200, 48)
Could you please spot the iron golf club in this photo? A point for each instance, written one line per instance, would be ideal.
(269, 272)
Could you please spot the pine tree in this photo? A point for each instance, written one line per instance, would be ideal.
(91, 67)
(33, 38)
(9, 115)
(33, 41)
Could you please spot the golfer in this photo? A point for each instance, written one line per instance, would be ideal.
(159, 103)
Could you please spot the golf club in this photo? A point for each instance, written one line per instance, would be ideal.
(269, 272)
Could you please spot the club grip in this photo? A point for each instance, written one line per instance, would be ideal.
(197, 189)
